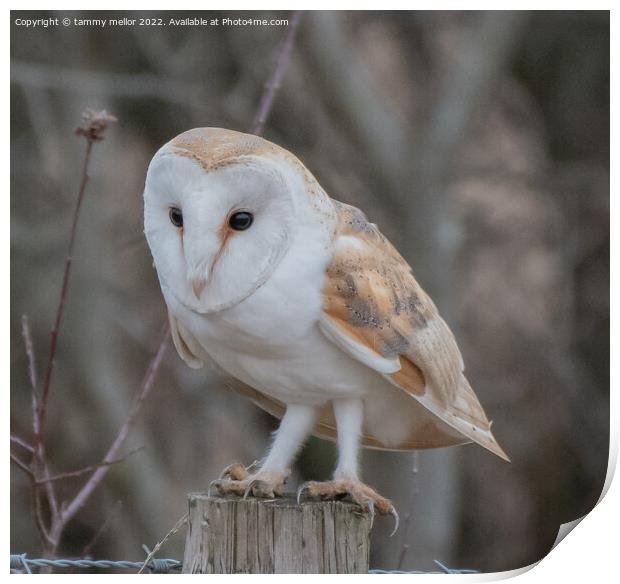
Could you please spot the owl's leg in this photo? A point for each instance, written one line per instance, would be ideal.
(349, 414)
(268, 480)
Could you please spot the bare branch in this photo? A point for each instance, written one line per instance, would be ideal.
(34, 383)
(32, 368)
(41, 469)
(35, 498)
(21, 442)
(87, 469)
(272, 86)
(22, 465)
(95, 125)
(39, 465)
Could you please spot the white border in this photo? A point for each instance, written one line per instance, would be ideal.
(589, 551)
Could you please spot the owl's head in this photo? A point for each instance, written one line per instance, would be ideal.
(220, 210)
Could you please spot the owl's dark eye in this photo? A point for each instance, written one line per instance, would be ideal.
(176, 216)
(240, 220)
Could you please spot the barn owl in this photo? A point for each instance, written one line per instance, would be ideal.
(302, 302)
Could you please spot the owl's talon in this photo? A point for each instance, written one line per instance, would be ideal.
(300, 491)
(394, 514)
(211, 484)
(249, 488)
(371, 511)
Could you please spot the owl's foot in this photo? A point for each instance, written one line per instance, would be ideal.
(237, 480)
(367, 498)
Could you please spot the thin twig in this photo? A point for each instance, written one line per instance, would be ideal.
(22, 465)
(21, 442)
(39, 464)
(32, 368)
(41, 470)
(95, 124)
(86, 469)
(34, 384)
(175, 529)
(63, 292)
(272, 86)
(35, 498)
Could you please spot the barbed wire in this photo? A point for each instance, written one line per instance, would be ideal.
(443, 569)
(23, 564)
(19, 562)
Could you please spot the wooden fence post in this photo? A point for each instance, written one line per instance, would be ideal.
(275, 536)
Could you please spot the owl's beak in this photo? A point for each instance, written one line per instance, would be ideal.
(198, 286)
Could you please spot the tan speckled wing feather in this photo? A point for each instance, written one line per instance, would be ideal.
(375, 310)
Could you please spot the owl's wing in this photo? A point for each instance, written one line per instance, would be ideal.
(374, 310)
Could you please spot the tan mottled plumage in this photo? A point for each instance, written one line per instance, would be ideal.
(371, 295)
(215, 148)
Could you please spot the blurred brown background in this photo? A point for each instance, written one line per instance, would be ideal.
(478, 141)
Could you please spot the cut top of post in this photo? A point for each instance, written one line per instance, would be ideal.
(235, 535)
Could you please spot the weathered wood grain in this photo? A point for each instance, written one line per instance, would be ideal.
(265, 536)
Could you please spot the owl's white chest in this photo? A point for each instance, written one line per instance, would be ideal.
(271, 340)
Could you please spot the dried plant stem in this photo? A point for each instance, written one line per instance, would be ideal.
(32, 371)
(175, 529)
(42, 409)
(273, 85)
(32, 368)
